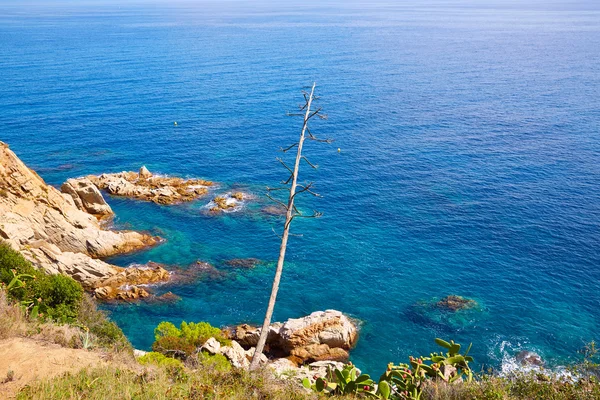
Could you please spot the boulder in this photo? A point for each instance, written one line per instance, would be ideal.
(86, 196)
(250, 353)
(322, 335)
(320, 352)
(211, 346)
(236, 355)
(329, 327)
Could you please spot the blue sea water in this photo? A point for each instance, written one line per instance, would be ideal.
(469, 163)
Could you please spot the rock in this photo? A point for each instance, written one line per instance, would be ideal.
(248, 335)
(274, 210)
(448, 371)
(329, 327)
(86, 196)
(211, 346)
(144, 173)
(226, 202)
(250, 353)
(245, 263)
(139, 353)
(529, 358)
(320, 352)
(455, 303)
(146, 186)
(238, 196)
(283, 366)
(236, 355)
(323, 335)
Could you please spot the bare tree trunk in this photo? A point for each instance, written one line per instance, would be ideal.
(284, 238)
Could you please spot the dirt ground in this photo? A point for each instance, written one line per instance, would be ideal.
(30, 360)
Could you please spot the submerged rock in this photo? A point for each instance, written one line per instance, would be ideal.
(529, 358)
(228, 201)
(146, 186)
(455, 303)
(244, 263)
(274, 210)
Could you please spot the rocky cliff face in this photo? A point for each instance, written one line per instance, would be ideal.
(57, 232)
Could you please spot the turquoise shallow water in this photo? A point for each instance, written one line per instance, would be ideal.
(469, 163)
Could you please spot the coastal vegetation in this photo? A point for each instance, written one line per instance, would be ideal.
(180, 368)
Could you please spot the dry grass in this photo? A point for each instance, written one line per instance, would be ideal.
(158, 383)
(13, 322)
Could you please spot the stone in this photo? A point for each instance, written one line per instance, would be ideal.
(86, 196)
(144, 173)
(227, 202)
(320, 352)
(529, 358)
(283, 366)
(236, 355)
(139, 353)
(211, 346)
(263, 360)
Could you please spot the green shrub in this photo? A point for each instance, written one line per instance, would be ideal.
(194, 333)
(56, 296)
(159, 359)
(218, 362)
(172, 346)
(166, 329)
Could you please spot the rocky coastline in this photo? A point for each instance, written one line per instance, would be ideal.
(60, 232)
(63, 232)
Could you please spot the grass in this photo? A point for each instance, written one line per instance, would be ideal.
(160, 383)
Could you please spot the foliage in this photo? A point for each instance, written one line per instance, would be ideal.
(182, 342)
(217, 362)
(348, 380)
(194, 333)
(173, 346)
(174, 367)
(55, 297)
(402, 381)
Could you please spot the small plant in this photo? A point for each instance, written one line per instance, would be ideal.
(86, 340)
(406, 380)
(345, 381)
(10, 376)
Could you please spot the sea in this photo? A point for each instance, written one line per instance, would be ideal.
(465, 158)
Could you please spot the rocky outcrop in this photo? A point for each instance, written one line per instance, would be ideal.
(55, 233)
(146, 186)
(86, 197)
(322, 335)
(227, 202)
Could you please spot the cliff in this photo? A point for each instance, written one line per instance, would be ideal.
(56, 232)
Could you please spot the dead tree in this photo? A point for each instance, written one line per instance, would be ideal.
(293, 188)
